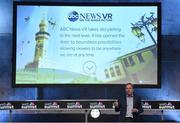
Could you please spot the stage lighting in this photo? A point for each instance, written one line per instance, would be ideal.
(95, 113)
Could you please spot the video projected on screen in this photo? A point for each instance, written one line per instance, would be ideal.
(86, 44)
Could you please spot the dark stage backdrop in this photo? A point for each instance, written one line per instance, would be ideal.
(170, 63)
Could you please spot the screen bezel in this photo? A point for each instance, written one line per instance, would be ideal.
(16, 3)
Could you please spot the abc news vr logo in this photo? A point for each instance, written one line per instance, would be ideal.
(74, 16)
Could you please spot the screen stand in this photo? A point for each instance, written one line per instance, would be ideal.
(40, 93)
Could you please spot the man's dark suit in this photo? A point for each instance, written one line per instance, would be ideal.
(123, 107)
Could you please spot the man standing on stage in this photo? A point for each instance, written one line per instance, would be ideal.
(130, 107)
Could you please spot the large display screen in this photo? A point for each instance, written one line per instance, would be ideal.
(86, 44)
